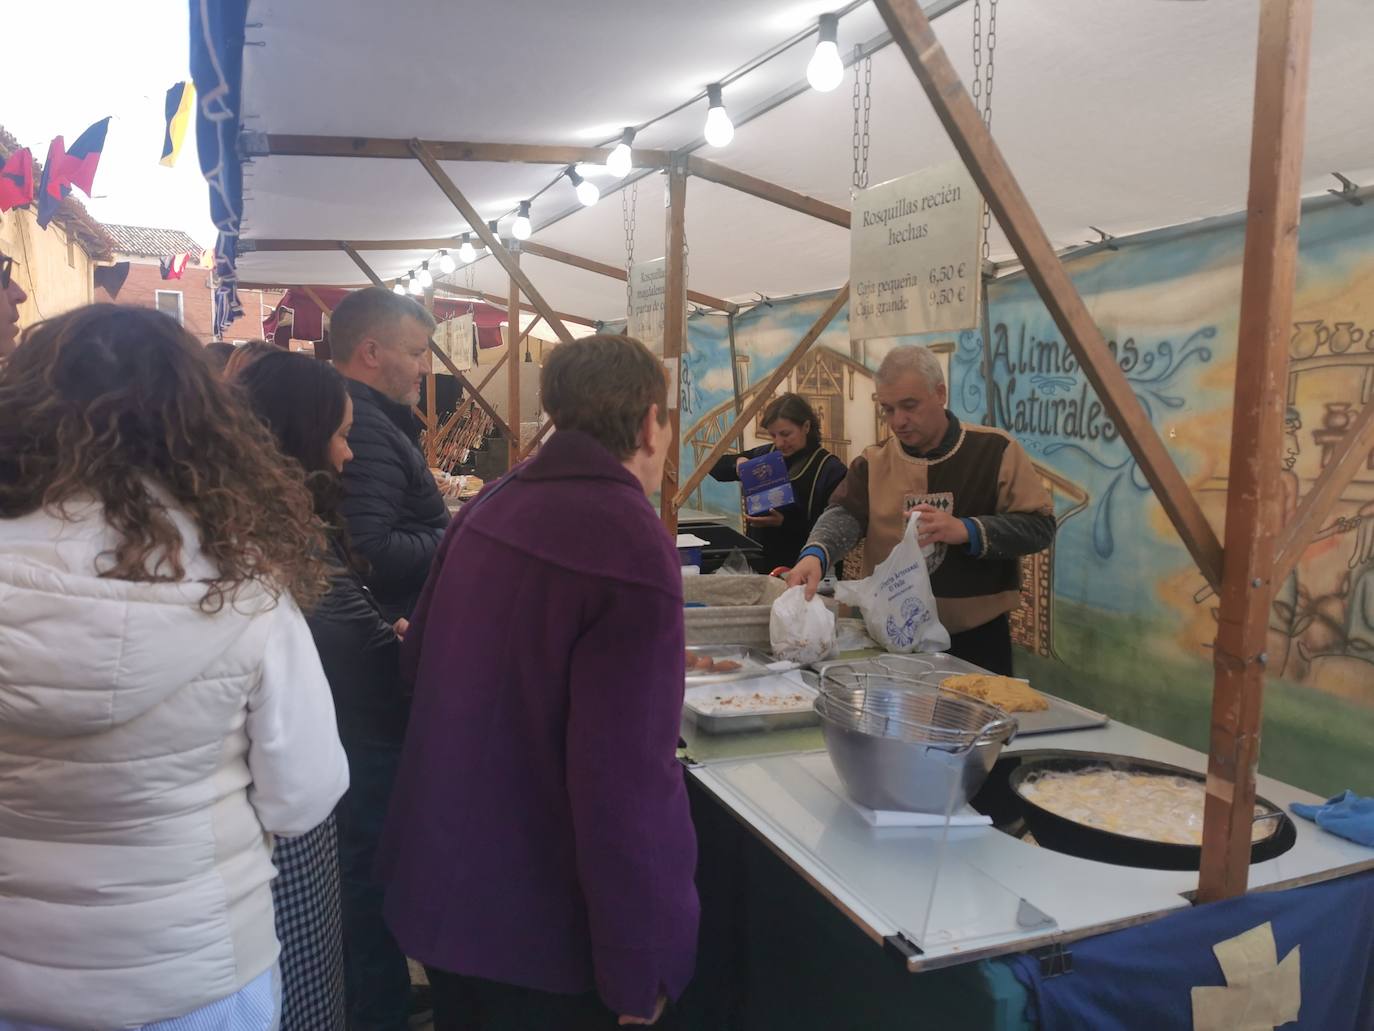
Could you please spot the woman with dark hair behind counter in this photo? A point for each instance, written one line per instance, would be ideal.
(815, 473)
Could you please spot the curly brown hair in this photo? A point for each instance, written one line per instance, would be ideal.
(107, 401)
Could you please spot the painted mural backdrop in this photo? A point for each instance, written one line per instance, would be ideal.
(1116, 615)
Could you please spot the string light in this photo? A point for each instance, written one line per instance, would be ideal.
(620, 160)
(521, 228)
(719, 129)
(399, 288)
(466, 253)
(826, 70)
(587, 192)
(424, 278)
(415, 288)
(446, 263)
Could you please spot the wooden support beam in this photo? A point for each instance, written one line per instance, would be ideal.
(581, 320)
(538, 437)
(498, 251)
(290, 145)
(431, 400)
(309, 291)
(457, 373)
(1349, 458)
(1254, 505)
(358, 260)
(762, 397)
(279, 244)
(513, 339)
(704, 168)
(539, 250)
(674, 333)
(525, 333)
(912, 32)
(469, 402)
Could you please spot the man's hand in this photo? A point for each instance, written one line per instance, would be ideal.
(939, 527)
(770, 518)
(806, 573)
(400, 627)
(658, 1012)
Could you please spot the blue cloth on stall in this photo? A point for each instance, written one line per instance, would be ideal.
(1349, 815)
(1141, 979)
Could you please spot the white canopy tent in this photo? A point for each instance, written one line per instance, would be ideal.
(1126, 116)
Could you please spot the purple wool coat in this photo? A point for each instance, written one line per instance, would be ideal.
(539, 832)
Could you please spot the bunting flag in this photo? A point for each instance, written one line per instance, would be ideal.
(180, 105)
(173, 267)
(16, 180)
(111, 278)
(68, 167)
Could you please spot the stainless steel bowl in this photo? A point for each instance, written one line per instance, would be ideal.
(897, 744)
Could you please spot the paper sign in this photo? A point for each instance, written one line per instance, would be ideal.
(915, 254)
(454, 338)
(648, 286)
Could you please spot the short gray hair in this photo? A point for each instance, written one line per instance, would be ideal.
(911, 358)
(366, 312)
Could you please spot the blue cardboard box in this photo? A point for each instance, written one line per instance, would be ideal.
(765, 484)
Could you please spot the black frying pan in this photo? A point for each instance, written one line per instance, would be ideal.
(1061, 834)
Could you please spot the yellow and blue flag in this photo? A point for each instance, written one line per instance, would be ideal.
(181, 100)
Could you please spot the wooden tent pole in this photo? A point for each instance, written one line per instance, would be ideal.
(457, 374)
(704, 168)
(513, 339)
(540, 250)
(1254, 506)
(1348, 459)
(674, 332)
(289, 145)
(764, 395)
(499, 252)
(358, 260)
(951, 101)
(468, 401)
(431, 400)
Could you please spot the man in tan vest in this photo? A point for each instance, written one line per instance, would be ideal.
(981, 501)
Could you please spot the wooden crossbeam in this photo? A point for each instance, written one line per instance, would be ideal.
(468, 401)
(674, 331)
(1254, 500)
(1348, 458)
(704, 168)
(294, 145)
(763, 395)
(513, 368)
(540, 250)
(951, 101)
(581, 320)
(457, 373)
(358, 260)
(441, 178)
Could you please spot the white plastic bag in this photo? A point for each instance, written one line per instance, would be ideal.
(897, 602)
(800, 630)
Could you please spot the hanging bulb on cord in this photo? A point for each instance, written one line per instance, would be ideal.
(719, 129)
(466, 253)
(826, 70)
(415, 288)
(399, 288)
(424, 278)
(620, 160)
(446, 263)
(521, 228)
(587, 192)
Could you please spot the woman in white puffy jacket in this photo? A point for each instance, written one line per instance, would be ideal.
(163, 712)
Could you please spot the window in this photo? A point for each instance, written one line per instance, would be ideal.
(169, 302)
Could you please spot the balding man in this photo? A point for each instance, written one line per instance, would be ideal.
(11, 297)
(981, 501)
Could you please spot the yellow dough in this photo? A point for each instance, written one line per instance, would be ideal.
(1003, 692)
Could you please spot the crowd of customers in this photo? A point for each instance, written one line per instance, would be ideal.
(270, 724)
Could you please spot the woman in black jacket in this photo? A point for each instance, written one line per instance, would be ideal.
(308, 407)
(813, 471)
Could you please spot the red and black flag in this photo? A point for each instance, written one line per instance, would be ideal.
(70, 166)
(173, 267)
(16, 180)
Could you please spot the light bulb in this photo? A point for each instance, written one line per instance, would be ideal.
(466, 253)
(521, 228)
(446, 263)
(587, 192)
(620, 160)
(399, 288)
(416, 288)
(826, 70)
(719, 129)
(424, 278)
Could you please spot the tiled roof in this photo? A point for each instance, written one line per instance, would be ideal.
(71, 214)
(147, 242)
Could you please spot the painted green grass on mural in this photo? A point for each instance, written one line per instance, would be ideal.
(1312, 740)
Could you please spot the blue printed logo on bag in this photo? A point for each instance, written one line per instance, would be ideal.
(765, 484)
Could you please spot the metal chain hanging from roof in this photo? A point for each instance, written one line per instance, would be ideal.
(861, 138)
(983, 74)
(629, 212)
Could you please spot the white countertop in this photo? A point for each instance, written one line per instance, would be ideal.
(886, 878)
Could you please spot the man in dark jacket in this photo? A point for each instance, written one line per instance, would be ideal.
(395, 513)
(539, 854)
(395, 517)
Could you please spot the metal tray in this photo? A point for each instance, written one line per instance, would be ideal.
(1062, 715)
(759, 720)
(753, 663)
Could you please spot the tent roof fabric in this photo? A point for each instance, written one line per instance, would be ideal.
(1126, 117)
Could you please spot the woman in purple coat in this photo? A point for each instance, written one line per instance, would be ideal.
(539, 855)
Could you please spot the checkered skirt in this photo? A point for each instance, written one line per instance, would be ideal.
(305, 896)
